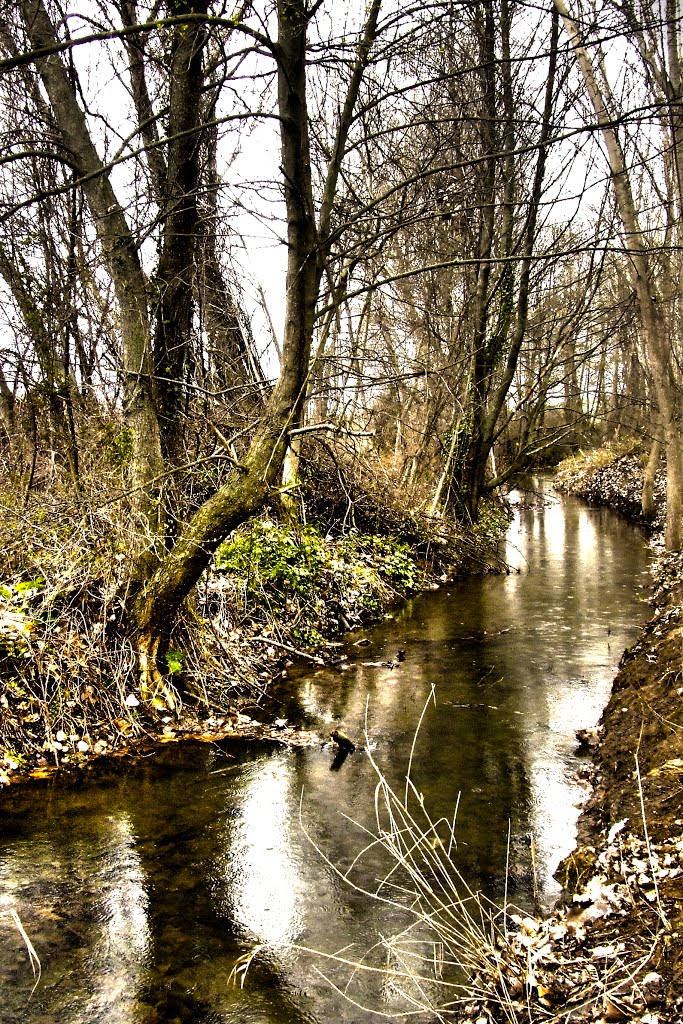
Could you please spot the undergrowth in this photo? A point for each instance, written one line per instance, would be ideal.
(613, 477)
(318, 585)
(593, 459)
(278, 587)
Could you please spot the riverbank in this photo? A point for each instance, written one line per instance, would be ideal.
(280, 592)
(510, 661)
(616, 950)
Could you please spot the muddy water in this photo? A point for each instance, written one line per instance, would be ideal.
(141, 886)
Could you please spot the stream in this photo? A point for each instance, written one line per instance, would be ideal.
(143, 882)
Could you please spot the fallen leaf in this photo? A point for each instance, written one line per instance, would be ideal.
(612, 1012)
(606, 952)
(616, 829)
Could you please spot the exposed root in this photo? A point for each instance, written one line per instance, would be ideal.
(154, 689)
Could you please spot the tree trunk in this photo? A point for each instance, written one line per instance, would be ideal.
(6, 407)
(134, 43)
(648, 494)
(486, 431)
(156, 605)
(233, 363)
(175, 274)
(120, 255)
(644, 281)
(55, 382)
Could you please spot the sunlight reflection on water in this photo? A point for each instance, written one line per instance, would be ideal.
(260, 881)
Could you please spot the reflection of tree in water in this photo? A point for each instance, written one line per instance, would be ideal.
(124, 907)
(507, 658)
(194, 889)
(76, 879)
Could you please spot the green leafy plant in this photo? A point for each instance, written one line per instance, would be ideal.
(174, 661)
(278, 560)
(493, 519)
(19, 594)
(314, 584)
(119, 445)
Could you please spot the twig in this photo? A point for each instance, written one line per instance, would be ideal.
(432, 696)
(286, 647)
(650, 855)
(34, 959)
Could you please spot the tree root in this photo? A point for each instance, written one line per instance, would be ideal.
(153, 687)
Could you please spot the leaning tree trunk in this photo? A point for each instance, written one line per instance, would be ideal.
(652, 323)
(156, 605)
(249, 485)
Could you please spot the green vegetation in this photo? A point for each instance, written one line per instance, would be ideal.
(320, 584)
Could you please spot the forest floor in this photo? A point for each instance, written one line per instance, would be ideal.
(614, 952)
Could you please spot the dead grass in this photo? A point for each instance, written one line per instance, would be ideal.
(458, 956)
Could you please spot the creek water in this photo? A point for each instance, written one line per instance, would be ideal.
(141, 884)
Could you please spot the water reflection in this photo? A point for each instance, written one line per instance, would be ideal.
(140, 891)
(120, 916)
(259, 881)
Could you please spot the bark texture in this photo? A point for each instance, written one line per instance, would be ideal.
(175, 274)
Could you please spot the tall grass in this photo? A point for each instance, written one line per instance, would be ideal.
(457, 955)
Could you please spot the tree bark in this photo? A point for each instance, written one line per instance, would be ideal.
(505, 342)
(233, 363)
(6, 407)
(175, 273)
(648, 494)
(147, 121)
